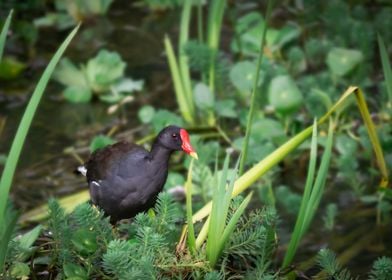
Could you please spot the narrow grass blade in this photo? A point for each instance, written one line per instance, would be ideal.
(179, 88)
(215, 17)
(217, 218)
(182, 57)
(254, 91)
(3, 34)
(13, 157)
(312, 195)
(295, 237)
(7, 228)
(386, 66)
(189, 213)
(233, 221)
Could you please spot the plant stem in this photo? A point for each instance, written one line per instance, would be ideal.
(254, 90)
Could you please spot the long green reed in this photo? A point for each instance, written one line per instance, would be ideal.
(386, 67)
(3, 34)
(17, 144)
(215, 17)
(314, 188)
(254, 91)
(189, 213)
(180, 69)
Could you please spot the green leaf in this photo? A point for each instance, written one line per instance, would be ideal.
(225, 108)
(204, 99)
(128, 85)
(99, 142)
(146, 114)
(85, 241)
(342, 61)
(26, 242)
(74, 271)
(346, 145)
(163, 118)
(3, 34)
(68, 74)
(20, 270)
(76, 94)
(267, 129)
(10, 68)
(242, 75)
(284, 95)
(104, 70)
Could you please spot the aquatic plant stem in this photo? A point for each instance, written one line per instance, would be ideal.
(17, 144)
(254, 91)
(188, 191)
(3, 34)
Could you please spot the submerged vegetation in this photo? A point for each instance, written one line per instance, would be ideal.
(303, 198)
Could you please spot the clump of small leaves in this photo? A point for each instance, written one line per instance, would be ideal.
(102, 75)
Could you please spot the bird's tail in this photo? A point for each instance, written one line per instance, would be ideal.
(81, 170)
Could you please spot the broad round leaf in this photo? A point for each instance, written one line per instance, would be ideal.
(85, 241)
(99, 142)
(146, 113)
(204, 99)
(343, 61)
(74, 271)
(76, 94)
(105, 69)
(284, 95)
(242, 75)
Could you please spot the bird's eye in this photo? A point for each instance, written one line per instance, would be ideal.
(174, 135)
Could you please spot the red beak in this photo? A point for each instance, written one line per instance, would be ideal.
(186, 144)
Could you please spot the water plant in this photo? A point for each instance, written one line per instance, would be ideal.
(102, 75)
(7, 215)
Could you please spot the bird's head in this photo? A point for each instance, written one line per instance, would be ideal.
(177, 139)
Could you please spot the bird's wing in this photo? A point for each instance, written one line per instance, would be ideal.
(105, 161)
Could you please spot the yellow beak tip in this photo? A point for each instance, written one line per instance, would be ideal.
(194, 155)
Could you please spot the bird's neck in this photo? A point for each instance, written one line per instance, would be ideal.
(160, 154)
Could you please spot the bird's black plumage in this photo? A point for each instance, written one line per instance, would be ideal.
(125, 179)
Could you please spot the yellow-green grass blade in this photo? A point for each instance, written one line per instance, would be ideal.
(188, 191)
(254, 91)
(17, 144)
(182, 57)
(3, 34)
(179, 88)
(68, 203)
(215, 18)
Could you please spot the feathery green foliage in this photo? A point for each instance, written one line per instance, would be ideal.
(253, 241)
(62, 233)
(382, 269)
(327, 260)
